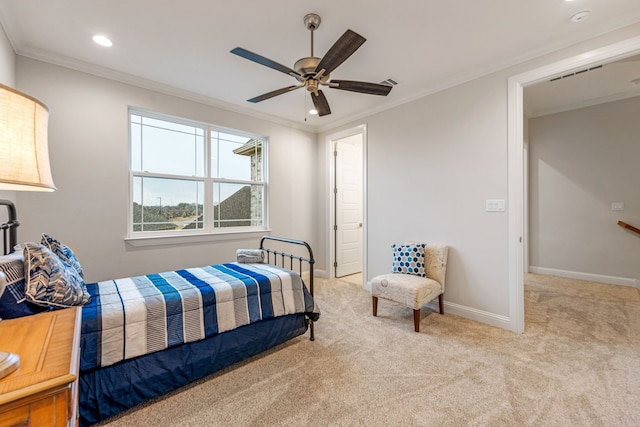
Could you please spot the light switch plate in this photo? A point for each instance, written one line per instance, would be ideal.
(617, 206)
(495, 205)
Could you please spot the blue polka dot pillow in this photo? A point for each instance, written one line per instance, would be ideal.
(409, 259)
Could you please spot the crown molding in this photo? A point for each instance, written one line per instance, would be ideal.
(111, 74)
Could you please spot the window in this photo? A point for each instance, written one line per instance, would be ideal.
(194, 178)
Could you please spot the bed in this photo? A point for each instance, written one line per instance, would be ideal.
(145, 336)
(111, 389)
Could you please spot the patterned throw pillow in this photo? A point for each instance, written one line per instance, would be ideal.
(63, 252)
(12, 301)
(409, 259)
(50, 280)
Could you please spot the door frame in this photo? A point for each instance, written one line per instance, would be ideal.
(330, 250)
(517, 180)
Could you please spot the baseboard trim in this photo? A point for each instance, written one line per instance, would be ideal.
(473, 314)
(612, 280)
(320, 273)
(470, 313)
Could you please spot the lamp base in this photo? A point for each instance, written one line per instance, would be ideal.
(9, 362)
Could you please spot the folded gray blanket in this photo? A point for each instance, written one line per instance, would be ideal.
(250, 256)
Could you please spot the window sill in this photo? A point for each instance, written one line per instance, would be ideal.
(157, 240)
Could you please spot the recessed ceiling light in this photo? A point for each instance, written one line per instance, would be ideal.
(580, 16)
(313, 112)
(102, 41)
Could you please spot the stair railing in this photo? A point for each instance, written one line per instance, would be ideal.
(629, 227)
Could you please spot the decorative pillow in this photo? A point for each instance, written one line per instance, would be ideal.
(250, 256)
(63, 252)
(50, 280)
(12, 301)
(409, 259)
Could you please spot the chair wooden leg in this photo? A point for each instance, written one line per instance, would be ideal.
(375, 305)
(441, 302)
(416, 320)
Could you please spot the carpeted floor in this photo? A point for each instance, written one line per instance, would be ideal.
(576, 364)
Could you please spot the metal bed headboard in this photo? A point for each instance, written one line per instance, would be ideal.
(10, 227)
(283, 256)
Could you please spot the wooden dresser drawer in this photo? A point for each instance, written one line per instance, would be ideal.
(43, 391)
(15, 417)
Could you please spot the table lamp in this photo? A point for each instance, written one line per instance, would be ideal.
(25, 167)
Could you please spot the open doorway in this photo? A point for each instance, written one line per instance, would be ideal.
(517, 171)
(581, 130)
(347, 203)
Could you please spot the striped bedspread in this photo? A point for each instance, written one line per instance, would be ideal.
(130, 317)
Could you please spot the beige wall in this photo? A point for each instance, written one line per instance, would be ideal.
(88, 145)
(7, 60)
(7, 78)
(582, 161)
(432, 164)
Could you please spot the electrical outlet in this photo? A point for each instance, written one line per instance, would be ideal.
(617, 206)
(495, 205)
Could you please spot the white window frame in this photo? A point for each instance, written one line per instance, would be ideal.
(209, 232)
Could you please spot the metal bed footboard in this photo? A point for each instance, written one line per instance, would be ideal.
(283, 256)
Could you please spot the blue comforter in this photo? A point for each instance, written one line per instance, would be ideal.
(129, 317)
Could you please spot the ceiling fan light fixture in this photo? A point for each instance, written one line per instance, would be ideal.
(312, 86)
(313, 112)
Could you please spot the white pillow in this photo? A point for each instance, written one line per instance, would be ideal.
(3, 283)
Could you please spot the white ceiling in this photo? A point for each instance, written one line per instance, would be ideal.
(182, 47)
(585, 87)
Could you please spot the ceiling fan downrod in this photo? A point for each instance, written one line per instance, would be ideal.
(306, 67)
(312, 22)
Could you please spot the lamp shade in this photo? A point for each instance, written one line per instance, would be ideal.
(23, 143)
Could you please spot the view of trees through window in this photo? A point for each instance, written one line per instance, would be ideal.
(183, 215)
(192, 176)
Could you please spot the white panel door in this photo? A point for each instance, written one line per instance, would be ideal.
(348, 161)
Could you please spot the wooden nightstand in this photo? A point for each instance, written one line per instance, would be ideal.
(44, 389)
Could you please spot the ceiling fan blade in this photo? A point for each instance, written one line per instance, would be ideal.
(264, 61)
(346, 45)
(273, 93)
(361, 87)
(320, 103)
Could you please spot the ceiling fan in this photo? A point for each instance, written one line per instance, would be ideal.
(312, 72)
